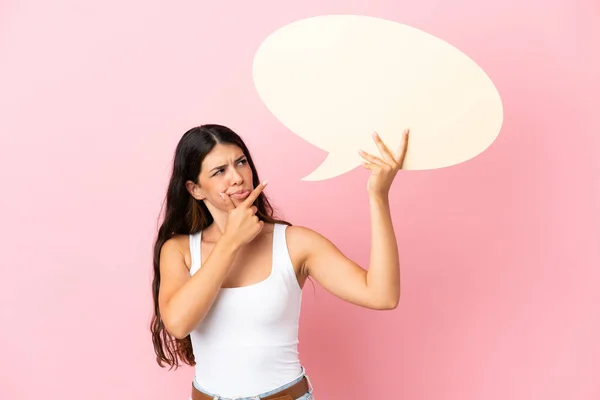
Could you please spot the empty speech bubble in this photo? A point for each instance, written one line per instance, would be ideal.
(334, 79)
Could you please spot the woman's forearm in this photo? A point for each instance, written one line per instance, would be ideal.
(190, 304)
(383, 276)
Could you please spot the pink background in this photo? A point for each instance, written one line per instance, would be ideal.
(500, 274)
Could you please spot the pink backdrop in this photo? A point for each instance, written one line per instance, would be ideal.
(500, 274)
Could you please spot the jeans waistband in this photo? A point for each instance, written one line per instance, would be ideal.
(261, 395)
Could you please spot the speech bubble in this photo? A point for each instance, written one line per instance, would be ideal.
(334, 79)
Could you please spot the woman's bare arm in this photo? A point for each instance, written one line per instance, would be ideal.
(185, 300)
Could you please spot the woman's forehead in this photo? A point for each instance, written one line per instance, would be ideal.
(223, 154)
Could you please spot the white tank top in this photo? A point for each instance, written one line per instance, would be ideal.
(248, 342)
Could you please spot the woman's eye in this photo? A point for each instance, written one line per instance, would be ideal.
(220, 170)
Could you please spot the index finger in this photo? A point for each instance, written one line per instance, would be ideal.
(255, 193)
(383, 149)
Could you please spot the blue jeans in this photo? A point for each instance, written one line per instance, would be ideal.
(307, 396)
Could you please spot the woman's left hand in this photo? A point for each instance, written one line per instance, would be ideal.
(383, 170)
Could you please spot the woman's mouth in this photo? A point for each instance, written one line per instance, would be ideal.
(240, 195)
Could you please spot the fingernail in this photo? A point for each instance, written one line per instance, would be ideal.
(265, 183)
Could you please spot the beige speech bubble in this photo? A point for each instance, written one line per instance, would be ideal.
(334, 79)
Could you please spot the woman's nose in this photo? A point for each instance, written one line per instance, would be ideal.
(237, 177)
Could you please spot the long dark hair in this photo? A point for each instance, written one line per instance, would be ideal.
(185, 215)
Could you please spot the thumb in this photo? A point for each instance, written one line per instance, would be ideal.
(227, 201)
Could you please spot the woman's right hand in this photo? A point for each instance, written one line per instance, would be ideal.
(242, 223)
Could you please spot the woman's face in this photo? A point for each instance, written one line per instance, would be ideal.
(225, 170)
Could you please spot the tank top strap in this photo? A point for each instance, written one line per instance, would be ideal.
(195, 252)
(282, 262)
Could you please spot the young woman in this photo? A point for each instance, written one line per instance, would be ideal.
(228, 275)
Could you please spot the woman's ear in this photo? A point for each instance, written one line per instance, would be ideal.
(194, 190)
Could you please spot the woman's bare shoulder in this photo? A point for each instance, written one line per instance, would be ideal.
(179, 244)
(299, 239)
(300, 235)
(177, 241)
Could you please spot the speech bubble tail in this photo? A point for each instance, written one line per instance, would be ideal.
(335, 164)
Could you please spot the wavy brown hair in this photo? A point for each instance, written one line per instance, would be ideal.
(185, 215)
